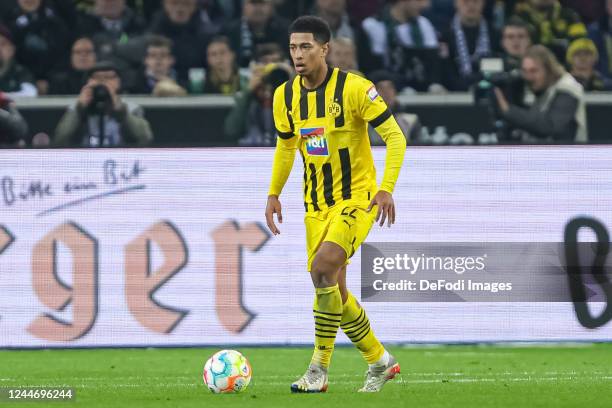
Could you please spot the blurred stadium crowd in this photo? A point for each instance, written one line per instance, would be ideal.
(232, 47)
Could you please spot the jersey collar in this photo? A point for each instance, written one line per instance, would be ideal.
(330, 71)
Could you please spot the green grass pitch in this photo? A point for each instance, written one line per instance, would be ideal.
(444, 376)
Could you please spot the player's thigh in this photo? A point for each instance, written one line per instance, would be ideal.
(316, 228)
(349, 226)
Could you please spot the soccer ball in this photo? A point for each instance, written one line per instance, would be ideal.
(227, 371)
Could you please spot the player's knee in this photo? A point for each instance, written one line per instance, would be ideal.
(326, 265)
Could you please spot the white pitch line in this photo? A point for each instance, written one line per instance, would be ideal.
(399, 381)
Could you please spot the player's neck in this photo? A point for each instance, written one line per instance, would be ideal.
(316, 78)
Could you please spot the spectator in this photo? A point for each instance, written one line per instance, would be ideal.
(110, 24)
(222, 76)
(343, 54)
(385, 83)
(469, 39)
(100, 118)
(13, 128)
(601, 34)
(292, 9)
(558, 113)
(440, 13)
(405, 43)
(334, 12)
(71, 80)
(516, 39)
(41, 39)
(258, 25)
(67, 11)
(250, 122)
(15, 80)
(359, 10)
(158, 66)
(214, 14)
(553, 25)
(270, 53)
(588, 10)
(582, 57)
(146, 9)
(180, 22)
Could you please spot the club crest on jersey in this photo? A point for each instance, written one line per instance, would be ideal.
(334, 109)
(316, 141)
(372, 93)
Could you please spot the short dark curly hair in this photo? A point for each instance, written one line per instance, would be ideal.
(312, 24)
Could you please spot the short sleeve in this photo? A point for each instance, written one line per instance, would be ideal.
(371, 105)
(282, 119)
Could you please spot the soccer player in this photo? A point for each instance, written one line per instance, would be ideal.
(324, 113)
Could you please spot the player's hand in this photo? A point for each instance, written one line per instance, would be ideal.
(386, 207)
(273, 206)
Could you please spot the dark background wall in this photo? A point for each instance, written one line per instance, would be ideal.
(200, 121)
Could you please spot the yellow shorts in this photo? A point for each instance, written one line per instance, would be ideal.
(346, 224)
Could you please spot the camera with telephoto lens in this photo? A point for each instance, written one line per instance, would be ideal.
(511, 84)
(275, 75)
(101, 100)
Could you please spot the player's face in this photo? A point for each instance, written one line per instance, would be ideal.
(306, 53)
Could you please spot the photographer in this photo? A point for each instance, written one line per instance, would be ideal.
(250, 122)
(558, 113)
(100, 118)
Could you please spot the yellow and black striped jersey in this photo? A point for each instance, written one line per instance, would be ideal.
(329, 126)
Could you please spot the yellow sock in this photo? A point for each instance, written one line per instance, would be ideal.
(356, 326)
(327, 314)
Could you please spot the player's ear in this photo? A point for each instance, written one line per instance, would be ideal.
(324, 50)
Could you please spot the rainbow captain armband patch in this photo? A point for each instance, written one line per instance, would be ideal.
(372, 93)
(316, 141)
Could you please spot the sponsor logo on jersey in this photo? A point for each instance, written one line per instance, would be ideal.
(316, 141)
(372, 93)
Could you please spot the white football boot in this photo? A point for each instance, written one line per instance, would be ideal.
(377, 376)
(314, 380)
